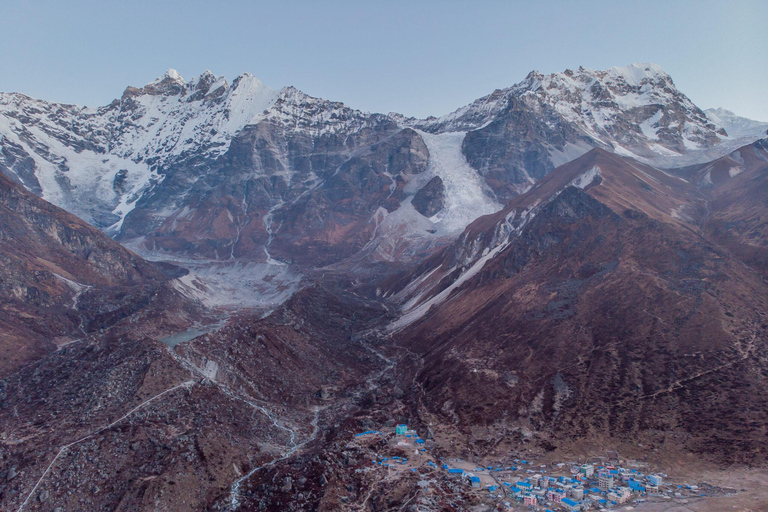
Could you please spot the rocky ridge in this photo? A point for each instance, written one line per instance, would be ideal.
(62, 280)
(208, 170)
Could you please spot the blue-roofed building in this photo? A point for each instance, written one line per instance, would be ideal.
(401, 430)
(525, 485)
(569, 504)
(456, 471)
(474, 481)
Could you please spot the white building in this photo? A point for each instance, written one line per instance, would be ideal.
(605, 480)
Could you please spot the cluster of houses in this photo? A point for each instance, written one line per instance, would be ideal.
(405, 436)
(590, 486)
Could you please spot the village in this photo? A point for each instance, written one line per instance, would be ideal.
(600, 483)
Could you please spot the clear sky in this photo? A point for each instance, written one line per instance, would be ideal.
(415, 57)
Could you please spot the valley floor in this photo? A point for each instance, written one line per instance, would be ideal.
(752, 495)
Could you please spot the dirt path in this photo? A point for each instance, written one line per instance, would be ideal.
(744, 353)
(188, 384)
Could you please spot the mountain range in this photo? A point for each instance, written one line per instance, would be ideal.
(208, 288)
(209, 170)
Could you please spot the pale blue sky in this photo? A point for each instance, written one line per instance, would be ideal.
(415, 57)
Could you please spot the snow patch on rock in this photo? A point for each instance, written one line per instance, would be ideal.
(650, 126)
(414, 313)
(585, 179)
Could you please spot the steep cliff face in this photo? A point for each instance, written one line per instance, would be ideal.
(518, 146)
(61, 279)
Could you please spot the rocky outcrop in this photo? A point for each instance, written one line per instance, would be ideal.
(430, 199)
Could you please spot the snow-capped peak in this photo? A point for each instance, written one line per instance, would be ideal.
(621, 82)
(82, 152)
(170, 74)
(247, 81)
(633, 110)
(576, 94)
(636, 74)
